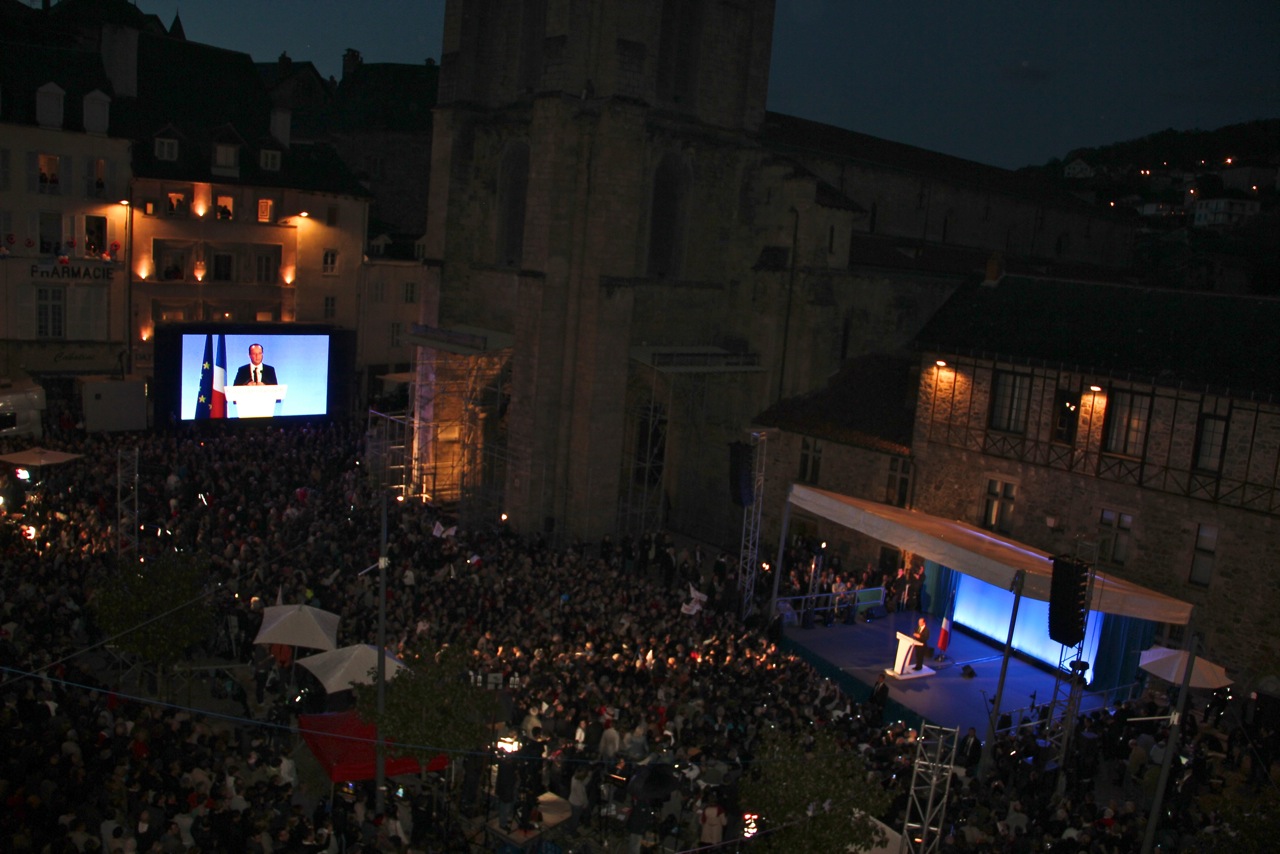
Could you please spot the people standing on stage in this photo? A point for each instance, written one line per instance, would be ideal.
(921, 634)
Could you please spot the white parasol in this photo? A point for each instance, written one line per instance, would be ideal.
(1171, 665)
(339, 669)
(37, 457)
(299, 625)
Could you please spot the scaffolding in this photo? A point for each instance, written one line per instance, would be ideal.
(126, 505)
(749, 553)
(460, 457)
(389, 450)
(925, 821)
(641, 508)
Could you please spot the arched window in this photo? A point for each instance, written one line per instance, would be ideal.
(666, 218)
(513, 190)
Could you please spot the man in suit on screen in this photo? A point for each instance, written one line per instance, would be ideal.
(255, 373)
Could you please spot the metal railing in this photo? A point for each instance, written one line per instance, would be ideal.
(798, 608)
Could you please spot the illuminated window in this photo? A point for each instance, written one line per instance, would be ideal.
(1010, 397)
(997, 511)
(1211, 439)
(330, 307)
(1114, 531)
(48, 180)
(266, 210)
(329, 266)
(177, 204)
(810, 460)
(1126, 426)
(269, 160)
(95, 235)
(226, 207)
(166, 149)
(1066, 416)
(1202, 558)
(51, 312)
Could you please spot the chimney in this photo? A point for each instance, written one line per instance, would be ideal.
(350, 62)
(284, 63)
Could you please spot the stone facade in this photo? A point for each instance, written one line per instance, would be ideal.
(669, 259)
(1189, 507)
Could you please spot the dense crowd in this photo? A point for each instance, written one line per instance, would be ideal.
(631, 685)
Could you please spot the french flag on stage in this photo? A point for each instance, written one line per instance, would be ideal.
(211, 401)
(944, 633)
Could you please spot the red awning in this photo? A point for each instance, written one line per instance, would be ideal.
(345, 746)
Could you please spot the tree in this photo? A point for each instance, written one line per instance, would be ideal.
(431, 705)
(156, 609)
(813, 793)
(1246, 822)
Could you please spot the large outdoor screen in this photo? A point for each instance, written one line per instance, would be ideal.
(207, 372)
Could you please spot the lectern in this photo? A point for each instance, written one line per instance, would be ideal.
(255, 401)
(902, 661)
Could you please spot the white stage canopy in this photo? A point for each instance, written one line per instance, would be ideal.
(982, 554)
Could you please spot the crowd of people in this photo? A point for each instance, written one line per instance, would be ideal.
(632, 687)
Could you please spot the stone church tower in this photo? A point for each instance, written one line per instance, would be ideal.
(647, 259)
(577, 149)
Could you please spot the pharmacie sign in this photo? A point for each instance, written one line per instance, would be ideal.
(74, 272)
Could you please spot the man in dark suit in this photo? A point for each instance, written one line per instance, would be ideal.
(921, 634)
(969, 752)
(255, 373)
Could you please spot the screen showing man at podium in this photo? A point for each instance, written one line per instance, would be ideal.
(295, 380)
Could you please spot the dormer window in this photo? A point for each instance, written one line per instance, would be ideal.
(49, 99)
(166, 148)
(269, 160)
(96, 111)
(226, 156)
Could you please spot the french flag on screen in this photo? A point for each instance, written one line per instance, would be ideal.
(211, 400)
(218, 398)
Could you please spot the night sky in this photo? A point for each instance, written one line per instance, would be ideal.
(1005, 82)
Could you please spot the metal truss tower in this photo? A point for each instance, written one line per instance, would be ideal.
(922, 829)
(749, 554)
(126, 505)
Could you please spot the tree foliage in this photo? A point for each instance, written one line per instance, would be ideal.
(431, 705)
(813, 793)
(155, 609)
(1247, 822)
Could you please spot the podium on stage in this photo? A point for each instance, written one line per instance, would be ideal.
(902, 661)
(255, 401)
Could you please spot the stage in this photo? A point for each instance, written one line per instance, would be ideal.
(861, 652)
